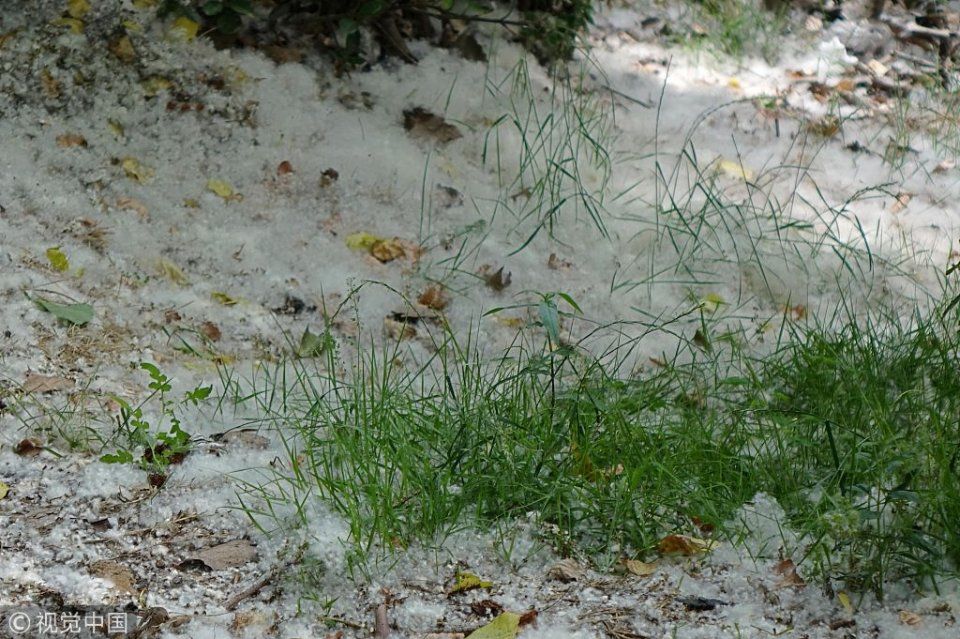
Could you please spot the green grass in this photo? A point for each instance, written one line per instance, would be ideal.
(854, 431)
(736, 28)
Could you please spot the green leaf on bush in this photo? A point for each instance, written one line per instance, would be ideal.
(212, 8)
(78, 314)
(228, 22)
(241, 6)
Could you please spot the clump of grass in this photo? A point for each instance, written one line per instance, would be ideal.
(854, 432)
(858, 437)
(562, 162)
(736, 27)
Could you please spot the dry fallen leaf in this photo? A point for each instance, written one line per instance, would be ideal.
(135, 205)
(34, 383)
(122, 48)
(229, 554)
(171, 271)
(29, 447)
(639, 568)
(788, 575)
(136, 171)
(434, 297)
(388, 250)
(211, 331)
(422, 124)
(685, 545)
(284, 168)
(498, 280)
(566, 570)
(555, 263)
(900, 202)
(910, 618)
(398, 330)
(67, 140)
(117, 574)
(944, 166)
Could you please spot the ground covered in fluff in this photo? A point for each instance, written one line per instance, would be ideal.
(208, 210)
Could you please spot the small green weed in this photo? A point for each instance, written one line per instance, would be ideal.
(160, 446)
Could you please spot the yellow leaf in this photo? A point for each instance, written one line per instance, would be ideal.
(711, 303)
(909, 618)
(57, 259)
(735, 169)
(223, 298)
(136, 171)
(115, 127)
(184, 29)
(154, 85)
(361, 241)
(845, 601)
(191, 203)
(131, 26)
(734, 83)
(639, 568)
(78, 8)
(76, 26)
(220, 188)
(505, 626)
(171, 271)
(4, 490)
(468, 581)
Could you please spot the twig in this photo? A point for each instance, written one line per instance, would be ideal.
(253, 589)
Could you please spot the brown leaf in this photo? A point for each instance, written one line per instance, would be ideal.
(423, 124)
(788, 575)
(171, 315)
(46, 383)
(387, 250)
(528, 617)
(122, 48)
(282, 55)
(446, 197)
(398, 330)
(135, 205)
(117, 574)
(29, 447)
(498, 280)
(67, 140)
(434, 297)
(211, 331)
(486, 608)
(566, 570)
(228, 555)
(284, 168)
(328, 177)
(684, 545)
(556, 264)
